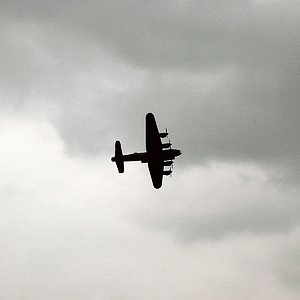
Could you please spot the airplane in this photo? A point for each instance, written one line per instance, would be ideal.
(158, 155)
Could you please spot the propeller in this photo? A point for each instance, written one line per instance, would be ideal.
(170, 144)
(164, 134)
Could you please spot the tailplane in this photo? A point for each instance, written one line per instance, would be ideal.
(118, 157)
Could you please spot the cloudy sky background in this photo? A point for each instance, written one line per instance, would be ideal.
(223, 76)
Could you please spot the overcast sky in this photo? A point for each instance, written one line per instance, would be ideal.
(223, 76)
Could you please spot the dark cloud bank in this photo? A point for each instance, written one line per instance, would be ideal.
(223, 75)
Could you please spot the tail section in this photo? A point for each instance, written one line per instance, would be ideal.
(118, 157)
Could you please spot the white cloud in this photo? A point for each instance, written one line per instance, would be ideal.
(69, 227)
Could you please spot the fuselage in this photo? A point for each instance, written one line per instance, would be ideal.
(145, 157)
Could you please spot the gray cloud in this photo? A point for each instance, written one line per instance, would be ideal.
(257, 220)
(176, 34)
(286, 265)
(222, 76)
(288, 270)
(217, 202)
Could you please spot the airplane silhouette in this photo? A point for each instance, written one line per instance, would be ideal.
(157, 155)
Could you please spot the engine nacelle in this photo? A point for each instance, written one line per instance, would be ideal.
(166, 145)
(163, 134)
(168, 172)
(168, 163)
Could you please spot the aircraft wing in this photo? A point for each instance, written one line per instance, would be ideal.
(153, 141)
(156, 169)
(154, 151)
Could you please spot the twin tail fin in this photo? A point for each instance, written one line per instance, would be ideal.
(118, 158)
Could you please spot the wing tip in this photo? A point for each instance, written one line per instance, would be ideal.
(157, 185)
(149, 115)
